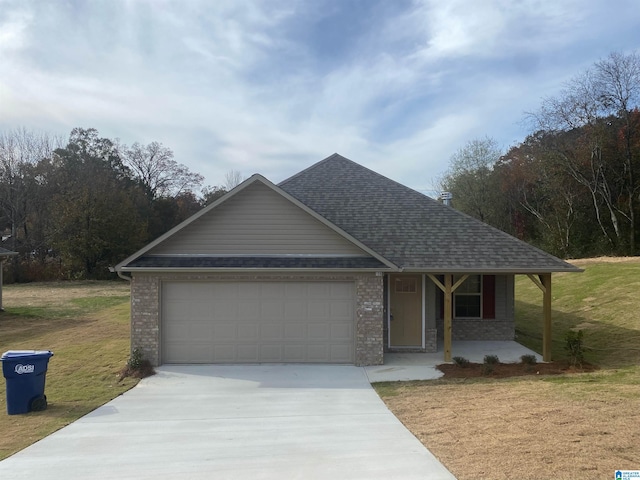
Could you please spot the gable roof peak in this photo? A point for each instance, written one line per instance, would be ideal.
(333, 158)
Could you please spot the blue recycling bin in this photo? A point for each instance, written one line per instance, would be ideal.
(25, 372)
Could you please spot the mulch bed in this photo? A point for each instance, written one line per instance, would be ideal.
(505, 370)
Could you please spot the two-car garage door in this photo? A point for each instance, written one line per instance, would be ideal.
(254, 322)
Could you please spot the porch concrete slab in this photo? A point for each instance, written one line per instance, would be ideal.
(235, 422)
(422, 366)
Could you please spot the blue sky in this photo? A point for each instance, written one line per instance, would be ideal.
(272, 86)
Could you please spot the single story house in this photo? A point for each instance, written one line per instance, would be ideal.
(336, 264)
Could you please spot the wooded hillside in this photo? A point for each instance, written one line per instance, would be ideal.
(572, 186)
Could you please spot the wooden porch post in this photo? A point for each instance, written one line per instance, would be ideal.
(546, 306)
(447, 317)
(448, 290)
(544, 284)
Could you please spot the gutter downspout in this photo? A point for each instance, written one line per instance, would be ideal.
(120, 274)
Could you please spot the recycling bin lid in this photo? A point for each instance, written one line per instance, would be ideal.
(18, 354)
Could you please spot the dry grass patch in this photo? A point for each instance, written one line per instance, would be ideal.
(86, 325)
(526, 429)
(565, 426)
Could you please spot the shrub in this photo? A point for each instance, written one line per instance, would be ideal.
(528, 359)
(461, 361)
(137, 366)
(574, 347)
(488, 368)
(491, 360)
(136, 359)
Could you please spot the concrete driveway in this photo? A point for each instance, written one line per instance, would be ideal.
(235, 422)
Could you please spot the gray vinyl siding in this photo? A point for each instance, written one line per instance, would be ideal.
(256, 221)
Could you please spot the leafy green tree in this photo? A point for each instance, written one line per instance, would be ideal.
(95, 219)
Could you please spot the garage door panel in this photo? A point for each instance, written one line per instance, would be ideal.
(318, 353)
(341, 309)
(243, 354)
(318, 332)
(225, 290)
(341, 353)
(295, 332)
(294, 353)
(222, 310)
(271, 353)
(272, 310)
(249, 310)
(176, 332)
(340, 332)
(319, 310)
(271, 331)
(180, 291)
(295, 290)
(320, 290)
(253, 322)
(295, 310)
(187, 352)
(273, 289)
(226, 332)
(200, 330)
(248, 332)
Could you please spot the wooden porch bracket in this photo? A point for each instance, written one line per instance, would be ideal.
(448, 290)
(544, 283)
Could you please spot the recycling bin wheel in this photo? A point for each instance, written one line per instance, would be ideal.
(38, 404)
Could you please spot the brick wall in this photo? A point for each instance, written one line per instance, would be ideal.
(369, 309)
(145, 309)
(480, 329)
(145, 315)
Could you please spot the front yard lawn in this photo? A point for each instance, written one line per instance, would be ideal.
(574, 426)
(86, 325)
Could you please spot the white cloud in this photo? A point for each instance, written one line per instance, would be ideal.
(241, 85)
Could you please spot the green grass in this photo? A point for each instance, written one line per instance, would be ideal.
(603, 302)
(86, 325)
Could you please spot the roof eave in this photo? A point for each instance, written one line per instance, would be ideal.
(249, 270)
(491, 271)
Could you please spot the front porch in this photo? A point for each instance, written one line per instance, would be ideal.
(422, 366)
(427, 312)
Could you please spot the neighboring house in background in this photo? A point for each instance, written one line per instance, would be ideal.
(336, 264)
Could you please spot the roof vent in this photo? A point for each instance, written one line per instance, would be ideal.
(446, 197)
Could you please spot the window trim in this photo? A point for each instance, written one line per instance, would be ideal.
(479, 294)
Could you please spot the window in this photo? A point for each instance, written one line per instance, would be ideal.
(467, 299)
(406, 285)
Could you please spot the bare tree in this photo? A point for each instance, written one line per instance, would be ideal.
(232, 179)
(20, 151)
(470, 179)
(590, 104)
(158, 172)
